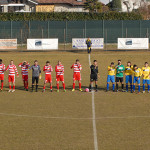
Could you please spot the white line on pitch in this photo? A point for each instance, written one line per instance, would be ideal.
(94, 117)
(71, 118)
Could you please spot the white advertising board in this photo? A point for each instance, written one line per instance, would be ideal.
(42, 44)
(133, 43)
(80, 43)
(8, 43)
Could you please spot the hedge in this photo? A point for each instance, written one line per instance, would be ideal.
(69, 16)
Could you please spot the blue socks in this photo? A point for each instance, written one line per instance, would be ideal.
(148, 88)
(138, 88)
(107, 86)
(113, 87)
(126, 87)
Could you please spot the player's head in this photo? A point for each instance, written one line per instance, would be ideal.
(47, 63)
(112, 64)
(135, 67)
(119, 62)
(59, 62)
(95, 62)
(1, 61)
(36, 62)
(24, 63)
(11, 62)
(129, 64)
(77, 61)
(146, 64)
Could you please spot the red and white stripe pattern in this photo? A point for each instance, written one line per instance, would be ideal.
(24, 68)
(2, 68)
(76, 67)
(12, 69)
(59, 69)
(47, 69)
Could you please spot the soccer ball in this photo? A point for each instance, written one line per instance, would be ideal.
(86, 90)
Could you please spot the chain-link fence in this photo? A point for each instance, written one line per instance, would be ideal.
(110, 30)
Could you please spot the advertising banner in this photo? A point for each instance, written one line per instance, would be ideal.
(8, 43)
(80, 43)
(133, 43)
(42, 44)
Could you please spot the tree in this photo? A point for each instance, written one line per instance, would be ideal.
(116, 5)
(93, 6)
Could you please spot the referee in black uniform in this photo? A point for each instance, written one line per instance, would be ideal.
(94, 75)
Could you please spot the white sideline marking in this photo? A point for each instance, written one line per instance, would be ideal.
(94, 117)
(71, 118)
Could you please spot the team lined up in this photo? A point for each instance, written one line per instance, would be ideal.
(36, 74)
(129, 71)
(115, 75)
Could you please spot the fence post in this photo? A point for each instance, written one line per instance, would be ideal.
(48, 28)
(147, 33)
(85, 29)
(42, 33)
(83, 33)
(103, 29)
(140, 28)
(21, 38)
(29, 28)
(126, 32)
(122, 28)
(106, 40)
(66, 33)
(11, 29)
(64, 39)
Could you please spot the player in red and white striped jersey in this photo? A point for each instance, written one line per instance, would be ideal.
(24, 67)
(11, 78)
(59, 69)
(2, 69)
(48, 78)
(76, 74)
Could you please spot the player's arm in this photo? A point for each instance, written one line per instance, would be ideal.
(40, 76)
(62, 69)
(20, 65)
(30, 68)
(44, 68)
(51, 69)
(4, 68)
(16, 71)
(7, 68)
(72, 66)
(80, 67)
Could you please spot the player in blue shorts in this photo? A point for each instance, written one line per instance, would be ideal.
(137, 74)
(111, 76)
(146, 76)
(128, 74)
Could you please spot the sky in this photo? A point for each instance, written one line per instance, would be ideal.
(104, 1)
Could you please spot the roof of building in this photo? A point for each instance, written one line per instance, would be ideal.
(70, 2)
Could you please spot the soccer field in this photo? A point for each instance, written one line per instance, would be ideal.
(74, 120)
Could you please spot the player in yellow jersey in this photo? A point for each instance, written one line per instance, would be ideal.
(128, 74)
(137, 74)
(111, 76)
(146, 76)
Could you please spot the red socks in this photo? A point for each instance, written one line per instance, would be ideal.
(13, 87)
(2, 83)
(73, 85)
(51, 87)
(79, 85)
(43, 87)
(10, 87)
(58, 86)
(64, 86)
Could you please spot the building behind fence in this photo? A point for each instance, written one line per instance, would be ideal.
(66, 30)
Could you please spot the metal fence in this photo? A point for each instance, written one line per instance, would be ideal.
(66, 30)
